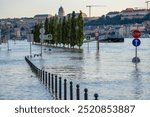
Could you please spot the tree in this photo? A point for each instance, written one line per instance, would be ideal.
(80, 35)
(55, 23)
(68, 30)
(53, 28)
(36, 32)
(46, 26)
(73, 30)
(59, 32)
(64, 31)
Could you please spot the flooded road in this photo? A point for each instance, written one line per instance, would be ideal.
(16, 79)
(108, 72)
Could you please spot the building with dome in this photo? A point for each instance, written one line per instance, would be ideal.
(61, 12)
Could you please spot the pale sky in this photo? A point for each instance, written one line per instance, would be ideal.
(29, 8)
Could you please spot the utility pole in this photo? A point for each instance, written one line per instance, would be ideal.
(90, 6)
(147, 2)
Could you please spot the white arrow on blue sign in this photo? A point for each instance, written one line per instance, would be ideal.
(136, 42)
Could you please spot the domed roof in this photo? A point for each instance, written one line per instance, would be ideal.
(61, 11)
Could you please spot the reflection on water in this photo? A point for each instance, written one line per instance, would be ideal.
(16, 79)
(137, 76)
(108, 72)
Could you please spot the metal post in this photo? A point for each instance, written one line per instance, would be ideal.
(78, 92)
(52, 83)
(49, 80)
(88, 45)
(56, 86)
(41, 48)
(97, 44)
(96, 96)
(60, 88)
(136, 53)
(8, 37)
(71, 91)
(7, 45)
(65, 89)
(86, 94)
(30, 49)
(46, 79)
(43, 76)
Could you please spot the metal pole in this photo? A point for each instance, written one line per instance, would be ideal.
(52, 83)
(65, 89)
(136, 51)
(30, 49)
(7, 37)
(96, 96)
(56, 86)
(78, 92)
(41, 48)
(136, 54)
(60, 87)
(85, 94)
(97, 44)
(7, 45)
(71, 90)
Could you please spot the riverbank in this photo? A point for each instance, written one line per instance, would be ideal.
(59, 47)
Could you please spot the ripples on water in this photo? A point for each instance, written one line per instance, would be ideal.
(16, 79)
(108, 72)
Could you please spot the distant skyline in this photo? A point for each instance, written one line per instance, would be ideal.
(29, 8)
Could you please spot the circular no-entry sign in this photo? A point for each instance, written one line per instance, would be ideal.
(136, 33)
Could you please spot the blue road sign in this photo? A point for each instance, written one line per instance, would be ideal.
(136, 42)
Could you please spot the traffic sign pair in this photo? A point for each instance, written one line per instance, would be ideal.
(136, 34)
(136, 42)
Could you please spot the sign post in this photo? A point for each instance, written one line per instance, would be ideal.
(136, 42)
(30, 40)
(88, 37)
(97, 38)
(48, 37)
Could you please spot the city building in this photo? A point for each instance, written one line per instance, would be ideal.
(131, 13)
(113, 14)
(42, 17)
(61, 12)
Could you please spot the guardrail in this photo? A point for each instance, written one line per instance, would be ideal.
(58, 86)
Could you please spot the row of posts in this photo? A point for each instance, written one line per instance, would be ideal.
(58, 86)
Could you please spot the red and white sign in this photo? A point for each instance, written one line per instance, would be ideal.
(136, 33)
